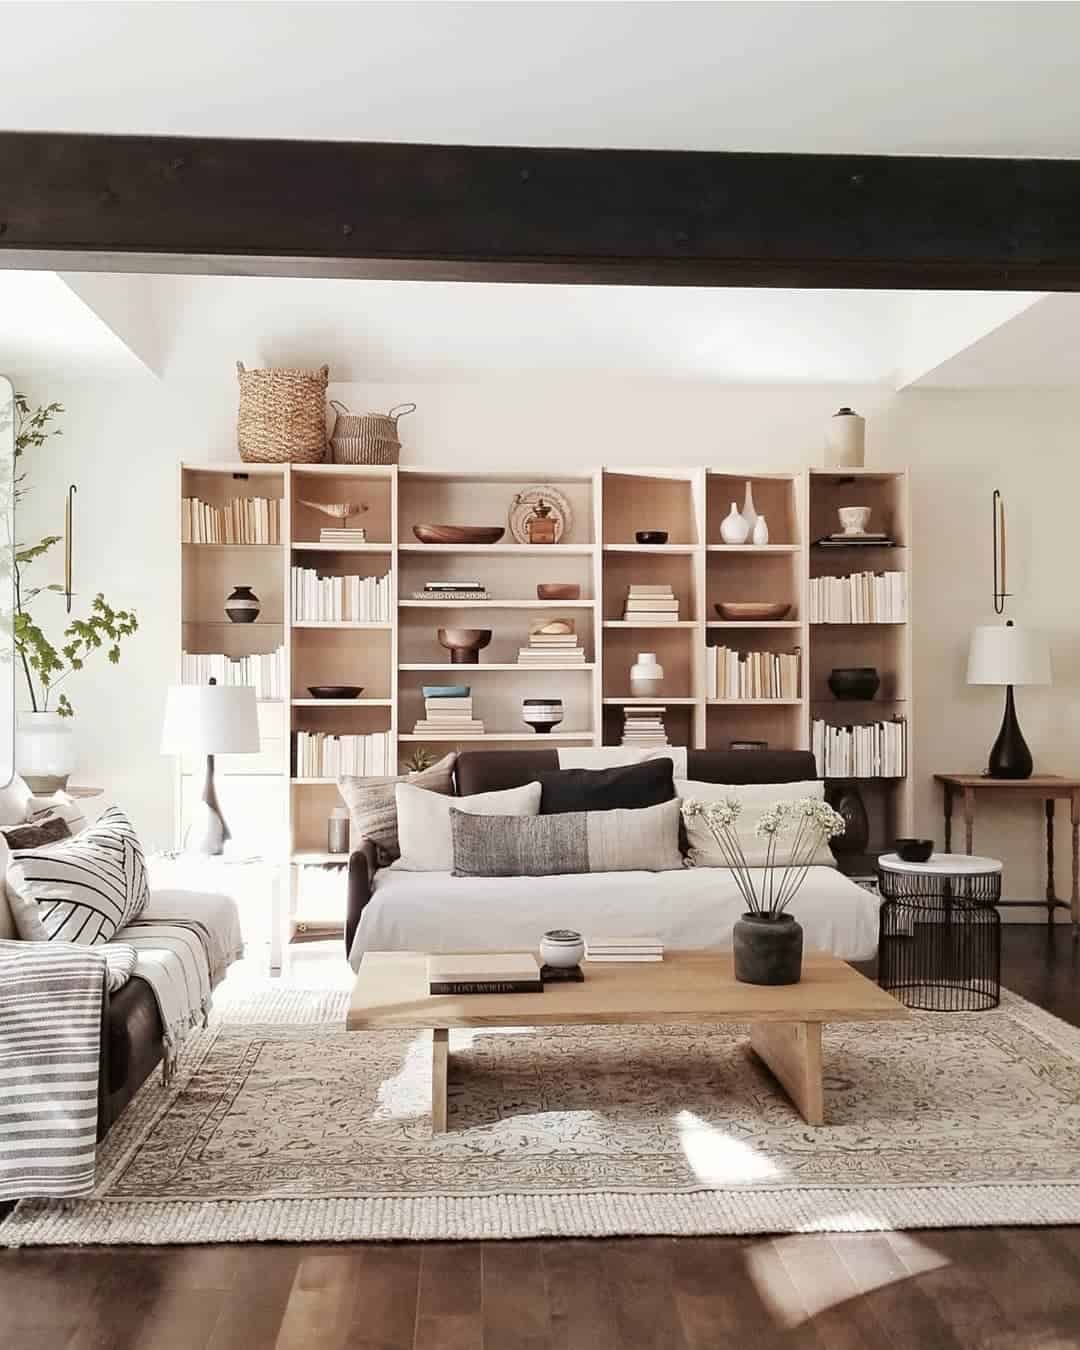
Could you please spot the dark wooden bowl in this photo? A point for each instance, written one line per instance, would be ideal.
(459, 534)
(558, 590)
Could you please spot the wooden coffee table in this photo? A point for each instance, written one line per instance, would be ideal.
(700, 986)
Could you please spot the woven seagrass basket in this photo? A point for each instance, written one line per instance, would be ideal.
(282, 416)
(366, 438)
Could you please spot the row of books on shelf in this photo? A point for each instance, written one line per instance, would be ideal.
(869, 750)
(318, 754)
(452, 716)
(651, 604)
(552, 642)
(733, 674)
(242, 520)
(862, 597)
(329, 599)
(264, 673)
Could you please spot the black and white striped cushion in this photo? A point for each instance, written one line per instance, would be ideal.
(87, 887)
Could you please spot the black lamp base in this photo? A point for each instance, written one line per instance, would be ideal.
(1009, 755)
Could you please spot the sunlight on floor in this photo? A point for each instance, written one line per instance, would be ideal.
(718, 1158)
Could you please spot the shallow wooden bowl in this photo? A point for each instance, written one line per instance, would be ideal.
(558, 590)
(751, 612)
(459, 534)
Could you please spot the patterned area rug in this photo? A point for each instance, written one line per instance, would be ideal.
(281, 1126)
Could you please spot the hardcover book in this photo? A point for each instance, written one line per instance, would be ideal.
(485, 973)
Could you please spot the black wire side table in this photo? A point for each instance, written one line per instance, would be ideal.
(939, 935)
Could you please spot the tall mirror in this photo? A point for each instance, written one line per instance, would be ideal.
(7, 580)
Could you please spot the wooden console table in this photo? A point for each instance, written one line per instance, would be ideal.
(1045, 787)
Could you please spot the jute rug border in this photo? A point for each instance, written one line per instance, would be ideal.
(781, 1209)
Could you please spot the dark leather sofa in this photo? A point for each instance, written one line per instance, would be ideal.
(131, 1048)
(495, 770)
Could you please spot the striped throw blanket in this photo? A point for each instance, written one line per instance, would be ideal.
(50, 1035)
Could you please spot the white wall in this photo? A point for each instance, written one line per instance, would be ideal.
(122, 442)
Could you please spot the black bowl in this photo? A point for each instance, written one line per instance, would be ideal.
(852, 682)
(651, 536)
(335, 690)
(914, 850)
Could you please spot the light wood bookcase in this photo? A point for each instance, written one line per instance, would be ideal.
(610, 504)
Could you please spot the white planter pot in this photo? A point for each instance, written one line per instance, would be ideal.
(845, 440)
(646, 676)
(44, 750)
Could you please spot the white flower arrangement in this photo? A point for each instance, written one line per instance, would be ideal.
(806, 823)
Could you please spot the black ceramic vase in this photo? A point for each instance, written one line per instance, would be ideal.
(1009, 755)
(242, 606)
(847, 802)
(768, 950)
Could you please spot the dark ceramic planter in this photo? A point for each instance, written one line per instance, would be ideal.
(854, 682)
(768, 951)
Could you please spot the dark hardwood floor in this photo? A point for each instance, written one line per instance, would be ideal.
(1003, 1289)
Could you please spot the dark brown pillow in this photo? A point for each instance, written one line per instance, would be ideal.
(625, 787)
(48, 831)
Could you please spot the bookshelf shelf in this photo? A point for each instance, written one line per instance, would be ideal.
(541, 740)
(342, 702)
(342, 623)
(234, 548)
(776, 550)
(466, 672)
(753, 702)
(309, 546)
(683, 701)
(496, 604)
(495, 550)
(671, 550)
(734, 626)
(654, 623)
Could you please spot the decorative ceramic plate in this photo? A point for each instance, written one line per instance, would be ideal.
(524, 505)
(458, 534)
(751, 612)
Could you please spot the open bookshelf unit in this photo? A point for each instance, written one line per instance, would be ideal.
(393, 656)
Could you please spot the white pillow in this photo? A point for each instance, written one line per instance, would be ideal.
(610, 756)
(755, 799)
(424, 821)
(15, 802)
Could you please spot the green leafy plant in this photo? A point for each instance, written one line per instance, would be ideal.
(46, 664)
(419, 760)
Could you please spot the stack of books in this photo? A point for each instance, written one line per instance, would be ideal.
(651, 604)
(446, 591)
(863, 597)
(749, 675)
(644, 726)
(552, 642)
(867, 539)
(489, 973)
(869, 750)
(449, 717)
(319, 599)
(242, 520)
(624, 949)
(342, 535)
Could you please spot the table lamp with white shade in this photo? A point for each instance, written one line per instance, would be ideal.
(1007, 655)
(209, 719)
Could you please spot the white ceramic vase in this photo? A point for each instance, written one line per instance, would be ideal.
(733, 528)
(44, 750)
(562, 948)
(646, 676)
(749, 511)
(845, 440)
(761, 531)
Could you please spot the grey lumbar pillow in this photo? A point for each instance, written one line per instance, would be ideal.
(373, 807)
(575, 841)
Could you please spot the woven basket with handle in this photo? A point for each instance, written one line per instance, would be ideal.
(366, 438)
(282, 415)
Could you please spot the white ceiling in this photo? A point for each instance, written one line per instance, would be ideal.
(956, 77)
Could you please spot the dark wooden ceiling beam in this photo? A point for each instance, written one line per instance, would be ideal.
(495, 213)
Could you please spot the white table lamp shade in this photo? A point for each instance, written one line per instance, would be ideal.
(210, 719)
(1005, 654)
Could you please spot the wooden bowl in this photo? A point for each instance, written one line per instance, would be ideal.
(751, 612)
(335, 690)
(464, 644)
(558, 590)
(459, 534)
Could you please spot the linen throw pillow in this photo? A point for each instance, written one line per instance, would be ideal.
(81, 890)
(373, 806)
(572, 841)
(625, 787)
(424, 821)
(755, 799)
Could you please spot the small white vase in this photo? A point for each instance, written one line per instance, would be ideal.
(733, 528)
(646, 676)
(845, 440)
(761, 531)
(44, 750)
(749, 511)
(562, 948)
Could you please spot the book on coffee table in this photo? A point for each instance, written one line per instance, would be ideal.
(484, 973)
(624, 949)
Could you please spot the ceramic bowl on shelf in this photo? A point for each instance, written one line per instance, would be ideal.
(335, 690)
(751, 611)
(854, 682)
(459, 534)
(464, 644)
(558, 590)
(914, 850)
(541, 713)
(651, 536)
(854, 519)
(445, 690)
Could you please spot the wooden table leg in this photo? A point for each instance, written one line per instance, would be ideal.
(1051, 893)
(440, 1056)
(969, 820)
(948, 818)
(792, 1050)
(1074, 898)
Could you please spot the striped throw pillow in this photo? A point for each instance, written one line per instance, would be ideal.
(86, 888)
